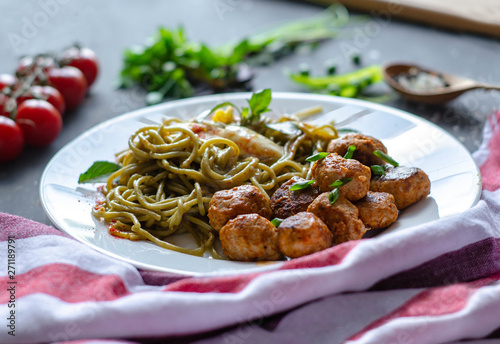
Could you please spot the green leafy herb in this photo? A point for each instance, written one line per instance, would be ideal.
(317, 156)
(301, 185)
(386, 158)
(276, 222)
(98, 171)
(340, 182)
(258, 103)
(171, 66)
(378, 169)
(350, 152)
(333, 195)
(288, 128)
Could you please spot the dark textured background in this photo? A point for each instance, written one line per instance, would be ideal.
(108, 27)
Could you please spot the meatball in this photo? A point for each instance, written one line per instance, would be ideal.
(285, 203)
(333, 167)
(408, 185)
(303, 234)
(365, 146)
(377, 210)
(341, 217)
(245, 199)
(250, 237)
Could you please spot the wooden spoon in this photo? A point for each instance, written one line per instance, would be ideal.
(456, 85)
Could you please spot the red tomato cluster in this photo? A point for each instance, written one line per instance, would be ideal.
(33, 102)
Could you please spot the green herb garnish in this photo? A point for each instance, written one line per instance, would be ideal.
(340, 182)
(386, 158)
(304, 69)
(301, 185)
(276, 222)
(98, 172)
(356, 59)
(317, 156)
(350, 152)
(258, 103)
(171, 66)
(333, 195)
(378, 169)
(331, 67)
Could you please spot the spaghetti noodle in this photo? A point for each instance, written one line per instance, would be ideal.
(170, 172)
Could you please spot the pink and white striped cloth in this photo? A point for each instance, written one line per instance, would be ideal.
(437, 283)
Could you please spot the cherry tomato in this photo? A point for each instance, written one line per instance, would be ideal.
(27, 64)
(11, 139)
(6, 106)
(70, 82)
(84, 59)
(47, 93)
(7, 80)
(39, 121)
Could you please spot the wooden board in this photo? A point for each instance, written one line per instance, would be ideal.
(477, 16)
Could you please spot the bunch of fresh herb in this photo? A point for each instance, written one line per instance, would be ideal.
(171, 66)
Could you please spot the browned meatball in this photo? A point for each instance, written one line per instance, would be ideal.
(250, 237)
(377, 210)
(303, 234)
(245, 199)
(341, 218)
(365, 146)
(408, 185)
(333, 167)
(286, 203)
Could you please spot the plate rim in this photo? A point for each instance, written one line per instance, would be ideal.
(225, 97)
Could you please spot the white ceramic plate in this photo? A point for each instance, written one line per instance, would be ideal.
(456, 182)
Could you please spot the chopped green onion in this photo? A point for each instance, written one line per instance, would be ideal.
(317, 156)
(334, 195)
(340, 182)
(301, 185)
(356, 59)
(378, 169)
(386, 158)
(331, 67)
(350, 152)
(304, 69)
(276, 222)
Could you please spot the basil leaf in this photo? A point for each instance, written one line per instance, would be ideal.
(259, 103)
(334, 195)
(245, 114)
(317, 156)
(340, 182)
(386, 158)
(350, 152)
(288, 128)
(301, 185)
(98, 169)
(276, 222)
(378, 169)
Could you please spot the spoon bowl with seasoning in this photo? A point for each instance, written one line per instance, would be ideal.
(426, 86)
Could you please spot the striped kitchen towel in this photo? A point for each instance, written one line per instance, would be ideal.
(436, 283)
